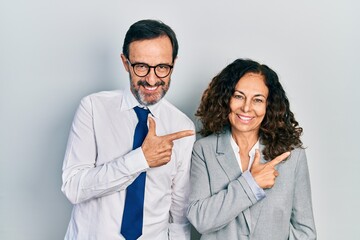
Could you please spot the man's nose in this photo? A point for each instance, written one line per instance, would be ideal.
(151, 78)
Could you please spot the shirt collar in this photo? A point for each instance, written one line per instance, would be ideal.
(236, 147)
(236, 150)
(252, 150)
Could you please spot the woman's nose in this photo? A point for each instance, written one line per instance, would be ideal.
(246, 107)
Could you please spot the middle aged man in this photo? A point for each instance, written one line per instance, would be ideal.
(124, 187)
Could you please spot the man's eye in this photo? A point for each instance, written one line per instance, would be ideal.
(141, 66)
(163, 67)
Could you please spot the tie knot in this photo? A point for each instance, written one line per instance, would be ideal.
(141, 113)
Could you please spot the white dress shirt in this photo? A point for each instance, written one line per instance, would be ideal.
(99, 164)
(236, 150)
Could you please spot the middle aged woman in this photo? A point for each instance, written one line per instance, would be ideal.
(249, 174)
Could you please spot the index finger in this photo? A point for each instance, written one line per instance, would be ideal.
(279, 159)
(178, 135)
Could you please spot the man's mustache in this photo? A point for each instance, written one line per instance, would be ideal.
(146, 84)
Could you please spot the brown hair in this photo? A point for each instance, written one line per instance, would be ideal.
(279, 131)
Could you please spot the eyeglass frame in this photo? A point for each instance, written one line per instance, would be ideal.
(149, 68)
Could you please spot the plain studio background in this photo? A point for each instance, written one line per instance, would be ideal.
(53, 53)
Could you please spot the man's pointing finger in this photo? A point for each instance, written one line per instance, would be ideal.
(178, 135)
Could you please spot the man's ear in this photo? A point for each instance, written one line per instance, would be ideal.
(174, 64)
(125, 62)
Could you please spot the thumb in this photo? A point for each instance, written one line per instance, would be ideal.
(152, 127)
(257, 157)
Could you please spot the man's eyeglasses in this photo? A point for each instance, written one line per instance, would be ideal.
(143, 69)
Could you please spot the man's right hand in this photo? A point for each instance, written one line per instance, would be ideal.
(158, 149)
(265, 173)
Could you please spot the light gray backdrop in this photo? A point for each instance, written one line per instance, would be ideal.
(52, 53)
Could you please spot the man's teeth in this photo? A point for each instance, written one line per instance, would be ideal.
(151, 88)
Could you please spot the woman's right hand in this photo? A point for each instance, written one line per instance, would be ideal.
(265, 173)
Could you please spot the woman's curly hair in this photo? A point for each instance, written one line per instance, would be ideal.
(279, 131)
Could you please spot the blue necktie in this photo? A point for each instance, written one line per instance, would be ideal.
(132, 221)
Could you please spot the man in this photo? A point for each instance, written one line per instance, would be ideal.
(123, 187)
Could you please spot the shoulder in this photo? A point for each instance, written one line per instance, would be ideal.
(207, 143)
(298, 154)
(103, 98)
(169, 111)
(215, 138)
(296, 160)
(207, 140)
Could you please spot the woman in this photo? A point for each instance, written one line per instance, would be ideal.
(249, 173)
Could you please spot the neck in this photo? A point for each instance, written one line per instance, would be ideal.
(245, 141)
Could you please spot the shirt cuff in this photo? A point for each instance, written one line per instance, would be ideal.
(135, 161)
(258, 191)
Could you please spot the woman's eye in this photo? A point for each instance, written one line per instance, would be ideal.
(257, 100)
(238, 96)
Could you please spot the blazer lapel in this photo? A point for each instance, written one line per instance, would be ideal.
(227, 160)
(256, 209)
(225, 156)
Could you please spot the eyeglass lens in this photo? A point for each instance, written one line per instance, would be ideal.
(161, 70)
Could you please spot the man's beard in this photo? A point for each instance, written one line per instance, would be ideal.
(155, 97)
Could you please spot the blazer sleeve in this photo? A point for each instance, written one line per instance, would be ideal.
(302, 225)
(209, 212)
